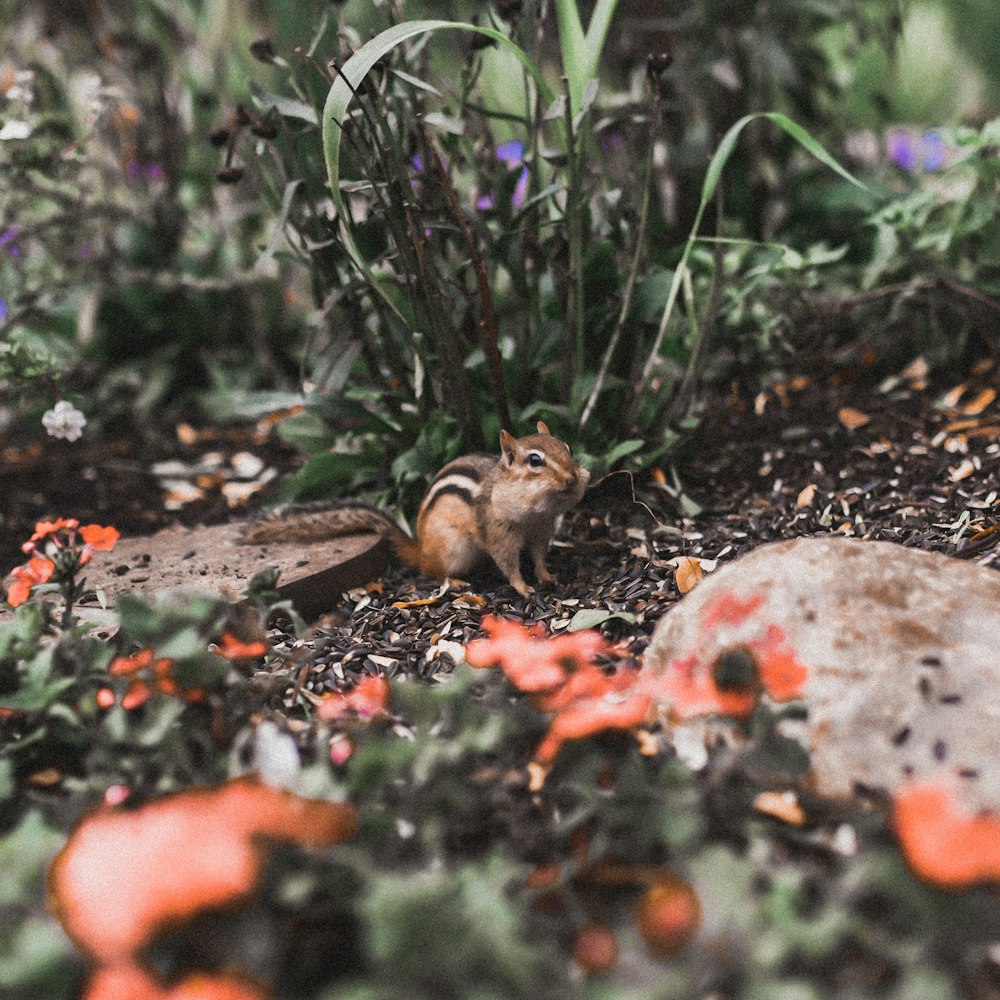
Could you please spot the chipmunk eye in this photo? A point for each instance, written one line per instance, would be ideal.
(536, 459)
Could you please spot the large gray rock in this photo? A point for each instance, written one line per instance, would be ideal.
(900, 650)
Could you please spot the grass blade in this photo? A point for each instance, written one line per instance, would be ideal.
(342, 92)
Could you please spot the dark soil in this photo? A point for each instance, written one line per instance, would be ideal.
(883, 454)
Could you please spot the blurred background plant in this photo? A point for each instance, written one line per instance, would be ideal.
(496, 258)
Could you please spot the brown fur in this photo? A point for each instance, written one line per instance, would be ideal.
(477, 507)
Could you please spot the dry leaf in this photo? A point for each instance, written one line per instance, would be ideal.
(688, 574)
(852, 419)
(781, 805)
(917, 370)
(981, 400)
(760, 403)
(805, 498)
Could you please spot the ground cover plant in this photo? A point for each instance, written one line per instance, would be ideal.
(408, 234)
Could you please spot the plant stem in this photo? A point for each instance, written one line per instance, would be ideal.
(573, 336)
(633, 271)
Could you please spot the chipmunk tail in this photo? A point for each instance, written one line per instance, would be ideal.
(306, 523)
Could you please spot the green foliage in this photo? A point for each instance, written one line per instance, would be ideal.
(503, 283)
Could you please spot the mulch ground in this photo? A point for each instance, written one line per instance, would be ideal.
(896, 454)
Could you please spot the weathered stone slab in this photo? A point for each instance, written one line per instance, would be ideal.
(902, 649)
(213, 560)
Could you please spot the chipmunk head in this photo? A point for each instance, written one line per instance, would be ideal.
(547, 476)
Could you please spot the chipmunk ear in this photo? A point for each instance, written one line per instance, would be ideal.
(542, 429)
(508, 444)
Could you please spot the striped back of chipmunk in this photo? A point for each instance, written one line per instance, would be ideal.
(461, 478)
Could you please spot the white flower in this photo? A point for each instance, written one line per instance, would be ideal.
(276, 757)
(15, 130)
(64, 420)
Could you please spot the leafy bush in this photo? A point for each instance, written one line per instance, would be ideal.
(478, 259)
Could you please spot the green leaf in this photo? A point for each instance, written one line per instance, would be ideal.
(588, 618)
(287, 107)
(621, 450)
(306, 431)
(277, 234)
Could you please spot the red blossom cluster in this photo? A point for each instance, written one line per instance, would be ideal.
(57, 548)
(563, 679)
(126, 876)
(150, 674)
(732, 683)
(147, 675)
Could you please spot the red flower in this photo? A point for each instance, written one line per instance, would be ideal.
(36, 570)
(732, 682)
(942, 844)
(531, 662)
(48, 529)
(596, 948)
(99, 538)
(128, 981)
(367, 699)
(620, 701)
(232, 648)
(125, 876)
(728, 609)
(564, 680)
(148, 676)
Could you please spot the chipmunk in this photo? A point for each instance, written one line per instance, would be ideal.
(477, 506)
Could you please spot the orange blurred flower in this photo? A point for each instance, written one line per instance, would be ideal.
(128, 981)
(36, 570)
(125, 876)
(732, 683)
(669, 916)
(561, 675)
(149, 676)
(232, 648)
(619, 701)
(366, 700)
(531, 661)
(596, 948)
(942, 844)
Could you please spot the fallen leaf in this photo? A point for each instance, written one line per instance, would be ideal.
(688, 574)
(587, 618)
(852, 419)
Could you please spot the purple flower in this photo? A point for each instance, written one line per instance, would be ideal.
(934, 151)
(4, 311)
(902, 149)
(612, 142)
(7, 238)
(911, 152)
(512, 155)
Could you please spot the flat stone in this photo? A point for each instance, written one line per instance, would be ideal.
(213, 560)
(902, 649)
